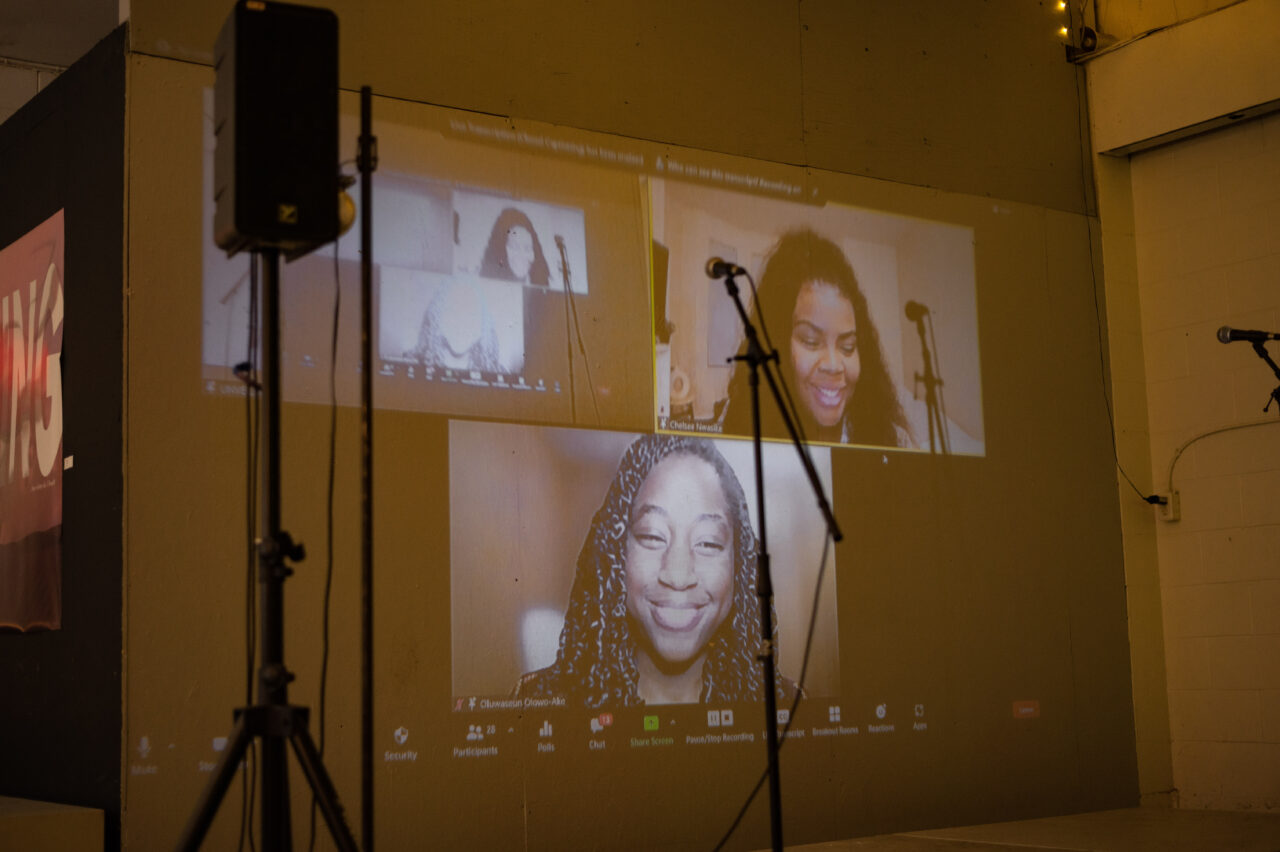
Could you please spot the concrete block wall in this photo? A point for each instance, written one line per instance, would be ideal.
(1207, 240)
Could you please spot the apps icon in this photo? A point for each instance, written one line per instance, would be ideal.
(919, 710)
(651, 723)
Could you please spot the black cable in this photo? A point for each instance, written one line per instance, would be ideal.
(328, 566)
(249, 377)
(1097, 307)
(791, 716)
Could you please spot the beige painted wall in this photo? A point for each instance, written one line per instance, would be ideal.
(1188, 230)
(974, 582)
(975, 99)
(1126, 19)
(1200, 71)
(1208, 243)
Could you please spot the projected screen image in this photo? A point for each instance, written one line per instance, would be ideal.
(467, 305)
(606, 569)
(509, 284)
(308, 288)
(450, 323)
(521, 241)
(852, 300)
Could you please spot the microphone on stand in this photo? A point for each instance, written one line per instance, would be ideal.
(915, 310)
(719, 268)
(1227, 334)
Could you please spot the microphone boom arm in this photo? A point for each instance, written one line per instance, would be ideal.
(757, 357)
(1260, 348)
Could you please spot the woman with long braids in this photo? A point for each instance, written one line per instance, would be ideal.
(663, 608)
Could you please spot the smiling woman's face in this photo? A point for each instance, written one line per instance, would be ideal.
(824, 351)
(680, 560)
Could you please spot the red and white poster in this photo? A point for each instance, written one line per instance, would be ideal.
(31, 310)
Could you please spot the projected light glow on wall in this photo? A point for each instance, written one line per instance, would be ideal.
(542, 310)
(506, 261)
(477, 235)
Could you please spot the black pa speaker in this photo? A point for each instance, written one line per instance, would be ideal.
(275, 165)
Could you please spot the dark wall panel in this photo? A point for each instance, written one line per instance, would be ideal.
(60, 712)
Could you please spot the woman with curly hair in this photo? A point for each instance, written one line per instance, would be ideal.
(663, 608)
(513, 252)
(828, 351)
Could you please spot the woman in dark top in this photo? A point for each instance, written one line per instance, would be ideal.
(828, 350)
(514, 252)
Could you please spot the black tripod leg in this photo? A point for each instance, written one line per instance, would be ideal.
(277, 827)
(326, 795)
(211, 800)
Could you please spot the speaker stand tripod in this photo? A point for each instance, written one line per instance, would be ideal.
(273, 720)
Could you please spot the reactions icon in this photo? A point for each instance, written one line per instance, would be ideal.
(881, 710)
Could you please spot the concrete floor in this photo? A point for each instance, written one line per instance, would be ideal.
(1128, 830)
